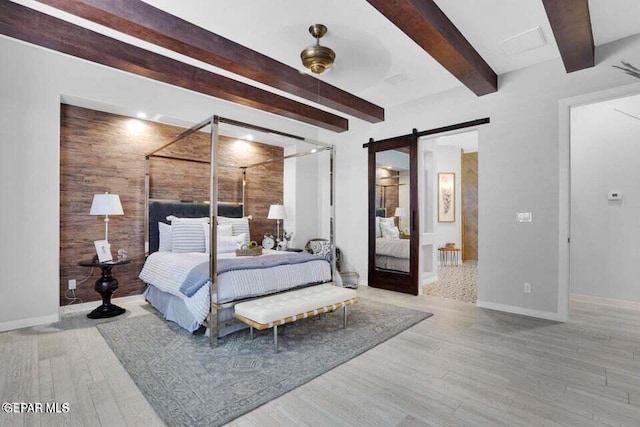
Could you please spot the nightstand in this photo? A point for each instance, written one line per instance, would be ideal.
(106, 285)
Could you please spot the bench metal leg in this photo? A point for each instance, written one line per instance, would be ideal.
(275, 338)
(251, 332)
(344, 315)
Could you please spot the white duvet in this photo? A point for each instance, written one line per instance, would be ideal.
(397, 248)
(167, 272)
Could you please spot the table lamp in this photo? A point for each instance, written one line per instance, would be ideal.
(106, 204)
(400, 213)
(277, 212)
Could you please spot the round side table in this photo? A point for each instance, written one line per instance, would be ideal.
(449, 256)
(105, 286)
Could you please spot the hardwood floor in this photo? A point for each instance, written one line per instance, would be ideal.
(463, 366)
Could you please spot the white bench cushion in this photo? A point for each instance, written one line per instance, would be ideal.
(276, 307)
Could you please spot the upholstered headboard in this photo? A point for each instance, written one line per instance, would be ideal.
(159, 210)
(381, 212)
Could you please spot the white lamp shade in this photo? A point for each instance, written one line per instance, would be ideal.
(277, 212)
(400, 212)
(106, 204)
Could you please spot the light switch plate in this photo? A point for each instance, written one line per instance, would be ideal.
(524, 216)
(614, 195)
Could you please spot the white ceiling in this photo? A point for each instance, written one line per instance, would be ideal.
(370, 48)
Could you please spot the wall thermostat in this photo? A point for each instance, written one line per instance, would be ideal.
(615, 195)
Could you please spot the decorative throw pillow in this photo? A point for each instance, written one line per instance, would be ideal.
(187, 236)
(165, 237)
(320, 247)
(239, 225)
(226, 244)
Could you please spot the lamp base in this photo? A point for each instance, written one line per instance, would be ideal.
(104, 312)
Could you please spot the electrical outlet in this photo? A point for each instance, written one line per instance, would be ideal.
(527, 288)
(72, 284)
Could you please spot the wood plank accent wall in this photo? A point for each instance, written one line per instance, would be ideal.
(469, 206)
(387, 188)
(105, 152)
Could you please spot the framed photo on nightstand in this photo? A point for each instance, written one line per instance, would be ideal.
(103, 249)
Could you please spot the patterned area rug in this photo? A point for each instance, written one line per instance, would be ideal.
(189, 384)
(459, 283)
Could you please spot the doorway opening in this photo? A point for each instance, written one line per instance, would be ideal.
(453, 160)
(605, 202)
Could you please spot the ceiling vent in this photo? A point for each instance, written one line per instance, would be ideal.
(397, 80)
(527, 40)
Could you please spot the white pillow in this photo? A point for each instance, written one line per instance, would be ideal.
(240, 225)
(172, 218)
(224, 230)
(380, 221)
(165, 237)
(389, 232)
(187, 236)
(226, 244)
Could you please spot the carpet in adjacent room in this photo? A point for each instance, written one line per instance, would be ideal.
(190, 384)
(456, 282)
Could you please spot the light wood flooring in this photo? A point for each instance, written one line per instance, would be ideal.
(463, 366)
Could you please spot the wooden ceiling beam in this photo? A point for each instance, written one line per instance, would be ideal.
(571, 24)
(431, 29)
(141, 20)
(44, 30)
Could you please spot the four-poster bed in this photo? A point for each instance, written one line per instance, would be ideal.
(231, 280)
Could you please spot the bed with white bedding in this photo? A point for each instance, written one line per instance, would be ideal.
(177, 269)
(179, 282)
(392, 254)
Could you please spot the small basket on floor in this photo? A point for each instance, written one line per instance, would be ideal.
(350, 279)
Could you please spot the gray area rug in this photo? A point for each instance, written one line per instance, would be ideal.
(190, 384)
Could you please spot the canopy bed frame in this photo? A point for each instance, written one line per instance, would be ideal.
(161, 208)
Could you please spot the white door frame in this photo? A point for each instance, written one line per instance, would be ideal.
(564, 188)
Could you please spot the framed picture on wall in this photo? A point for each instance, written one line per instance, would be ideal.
(446, 197)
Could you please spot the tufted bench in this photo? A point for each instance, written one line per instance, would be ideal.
(275, 310)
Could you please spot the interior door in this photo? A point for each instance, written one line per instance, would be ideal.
(393, 214)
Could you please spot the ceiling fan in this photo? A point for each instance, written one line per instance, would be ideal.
(317, 58)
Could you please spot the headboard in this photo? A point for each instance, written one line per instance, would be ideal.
(160, 209)
(381, 212)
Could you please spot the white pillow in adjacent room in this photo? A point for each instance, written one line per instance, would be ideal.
(187, 236)
(165, 237)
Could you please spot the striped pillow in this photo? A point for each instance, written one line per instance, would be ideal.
(187, 236)
(240, 225)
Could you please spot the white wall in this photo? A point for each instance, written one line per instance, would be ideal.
(306, 194)
(31, 84)
(448, 159)
(519, 166)
(605, 243)
(519, 172)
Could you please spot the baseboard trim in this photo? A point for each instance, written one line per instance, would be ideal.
(521, 311)
(88, 306)
(27, 323)
(632, 305)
